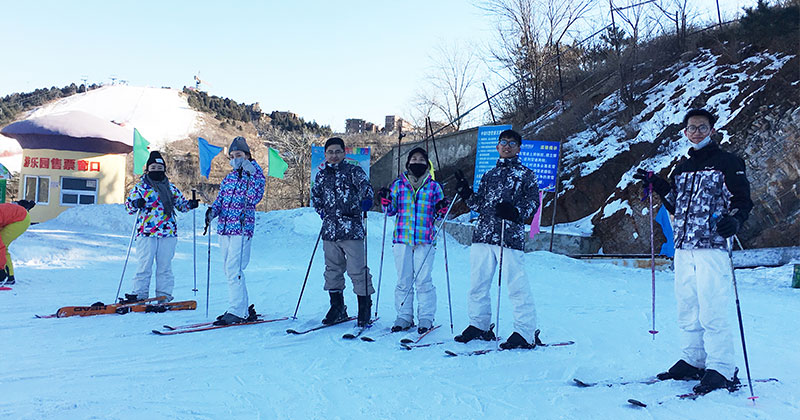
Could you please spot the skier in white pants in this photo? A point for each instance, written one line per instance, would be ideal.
(416, 199)
(235, 206)
(709, 195)
(508, 194)
(155, 199)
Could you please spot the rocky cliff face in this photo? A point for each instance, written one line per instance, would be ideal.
(757, 101)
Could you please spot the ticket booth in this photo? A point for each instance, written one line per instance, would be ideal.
(70, 159)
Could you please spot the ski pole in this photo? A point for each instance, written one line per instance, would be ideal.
(741, 325)
(128, 254)
(500, 277)
(308, 270)
(380, 270)
(208, 265)
(653, 331)
(428, 252)
(447, 274)
(194, 242)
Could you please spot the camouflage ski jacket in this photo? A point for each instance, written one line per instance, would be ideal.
(337, 194)
(711, 181)
(508, 181)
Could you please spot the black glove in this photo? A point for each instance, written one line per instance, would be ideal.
(727, 226)
(27, 204)
(384, 192)
(193, 204)
(209, 216)
(506, 210)
(139, 203)
(463, 189)
(660, 186)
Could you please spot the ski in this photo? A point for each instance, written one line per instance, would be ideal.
(292, 331)
(101, 309)
(5, 288)
(646, 381)
(419, 336)
(357, 331)
(372, 339)
(485, 351)
(210, 326)
(694, 395)
(416, 346)
(200, 324)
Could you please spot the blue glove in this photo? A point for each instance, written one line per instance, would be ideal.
(366, 204)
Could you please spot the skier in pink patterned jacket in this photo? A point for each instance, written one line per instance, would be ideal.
(235, 207)
(156, 200)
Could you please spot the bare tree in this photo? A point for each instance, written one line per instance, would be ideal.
(295, 148)
(451, 80)
(679, 12)
(530, 33)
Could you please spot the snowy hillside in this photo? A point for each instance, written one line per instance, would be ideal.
(160, 115)
(113, 367)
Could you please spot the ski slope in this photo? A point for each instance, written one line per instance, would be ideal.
(113, 367)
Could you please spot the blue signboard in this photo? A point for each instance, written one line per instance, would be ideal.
(542, 158)
(352, 155)
(486, 153)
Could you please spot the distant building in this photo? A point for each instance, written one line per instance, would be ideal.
(395, 123)
(355, 126)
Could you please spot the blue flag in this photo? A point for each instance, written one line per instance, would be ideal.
(206, 152)
(662, 218)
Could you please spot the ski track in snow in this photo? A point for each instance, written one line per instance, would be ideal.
(112, 367)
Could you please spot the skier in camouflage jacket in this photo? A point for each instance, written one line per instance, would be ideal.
(508, 195)
(709, 196)
(340, 194)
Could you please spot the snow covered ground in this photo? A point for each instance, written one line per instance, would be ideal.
(113, 367)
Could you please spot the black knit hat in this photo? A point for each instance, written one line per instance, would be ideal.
(239, 143)
(155, 157)
(334, 140)
(700, 113)
(413, 152)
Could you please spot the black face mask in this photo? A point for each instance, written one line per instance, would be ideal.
(157, 176)
(418, 169)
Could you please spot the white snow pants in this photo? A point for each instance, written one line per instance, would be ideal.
(149, 248)
(703, 291)
(484, 259)
(408, 261)
(235, 256)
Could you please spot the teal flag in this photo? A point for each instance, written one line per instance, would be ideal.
(206, 153)
(140, 152)
(277, 166)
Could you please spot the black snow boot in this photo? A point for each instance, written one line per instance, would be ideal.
(516, 341)
(338, 311)
(129, 298)
(681, 371)
(10, 280)
(714, 380)
(473, 332)
(228, 318)
(251, 313)
(364, 310)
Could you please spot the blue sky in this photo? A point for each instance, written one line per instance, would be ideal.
(325, 60)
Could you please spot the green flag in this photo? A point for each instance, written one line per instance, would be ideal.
(140, 152)
(277, 166)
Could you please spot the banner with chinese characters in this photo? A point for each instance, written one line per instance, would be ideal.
(72, 165)
(542, 158)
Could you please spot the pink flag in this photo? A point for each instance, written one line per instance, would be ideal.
(537, 217)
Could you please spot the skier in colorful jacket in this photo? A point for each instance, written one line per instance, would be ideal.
(340, 194)
(14, 221)
(507, 197)
(155, 199)
(235, 207)
(709, 196)
(416, 199)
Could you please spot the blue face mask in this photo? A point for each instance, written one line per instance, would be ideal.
(703, 143)
(236, 163)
